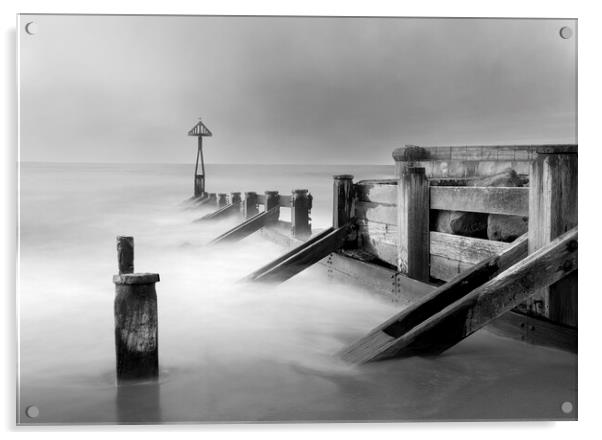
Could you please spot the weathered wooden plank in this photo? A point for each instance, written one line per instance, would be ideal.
(534, 330)
(490, 200)
(413, 224)
(230, 209)
(376, 212)
(380, 280)
(445, 269)
(476, 309)
(377, 192)
(464, 249)
(301, 257)
(553, 205)
(471, 168)
(248, 227)
(380, 239)
(488, 152)
(380, 340)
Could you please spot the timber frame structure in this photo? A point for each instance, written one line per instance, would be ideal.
(518, 277)
(394, 250)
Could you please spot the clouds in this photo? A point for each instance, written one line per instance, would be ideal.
(301, 90)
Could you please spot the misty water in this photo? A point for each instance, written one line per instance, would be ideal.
(230, 351)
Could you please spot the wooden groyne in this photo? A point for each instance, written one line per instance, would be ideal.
(452, 236)
(453, 210)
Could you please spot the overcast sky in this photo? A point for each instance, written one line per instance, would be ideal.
(289, 90)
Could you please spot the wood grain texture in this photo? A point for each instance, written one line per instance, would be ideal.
(487, 302)
(379, 340)
(445, 269)
(535, 330)
(376, 212)
(136, 331)
(384, 193)
(489, 200)
(125, 254)
(413, 254)
(553, 211)
(468, 168)
(465, 249)
(343, 209)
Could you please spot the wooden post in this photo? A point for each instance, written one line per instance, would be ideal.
(235, 197)
(300, 207)
(343, 200)
(136, 329)
(250, 205)
(222, 200)
(272, 200)
(212, 198)
(413, 206)
(552, 212)
(199, 185)
(408, 156)
(125, 254)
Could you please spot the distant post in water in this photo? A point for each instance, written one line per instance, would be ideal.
(552, 212)
(343, 204)
(212, 198)
(272, 200)
(413, 206)
(200, 131)
(235, 197)
(250, 205)
(222, 200)
(300, 208)
(136, 326)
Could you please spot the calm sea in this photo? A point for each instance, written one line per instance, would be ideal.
(229, 352)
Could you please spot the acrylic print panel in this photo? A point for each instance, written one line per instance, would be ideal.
(185, 254)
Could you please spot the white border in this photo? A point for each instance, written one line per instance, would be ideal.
(589, 139)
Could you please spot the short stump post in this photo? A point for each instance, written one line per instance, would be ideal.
(222, 200)
(250, 205)
(301, 206)
(235, 197)
(136, 324)
(212, 198)
(272, 200)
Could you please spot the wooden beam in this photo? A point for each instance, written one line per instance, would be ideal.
(535, 330)
(448, 326)
(413, 254)
(380, 340)
(248, 227)
(553, 204)
(485, 152)
(383, 193)
(225, 211)
(465, 249)
(376, 212)
(489, 200)
(301, 257)
(446, 269)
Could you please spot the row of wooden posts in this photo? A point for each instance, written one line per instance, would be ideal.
(299, 202)
(552, 212)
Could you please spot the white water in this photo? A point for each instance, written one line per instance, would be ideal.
(230, 352)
